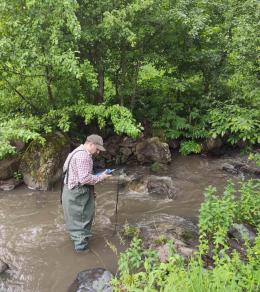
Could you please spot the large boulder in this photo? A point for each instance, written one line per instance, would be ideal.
(156, 187)
(212, 145)
(8, 167)
(92, 280)
(41, 165)
(173, 227)
(159, 230)
(152, 150)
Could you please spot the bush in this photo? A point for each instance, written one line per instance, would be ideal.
(141, 270)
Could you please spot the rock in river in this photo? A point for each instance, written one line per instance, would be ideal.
(92, 280)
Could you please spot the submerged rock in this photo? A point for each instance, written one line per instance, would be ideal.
(92, 280)
(156, 187)
(3, 267)
(161, 187)
(10, 184)
(241, 167)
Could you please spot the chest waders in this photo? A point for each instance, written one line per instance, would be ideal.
(79, 209)
(64, 173)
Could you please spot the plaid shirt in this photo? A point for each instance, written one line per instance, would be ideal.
(80, 169)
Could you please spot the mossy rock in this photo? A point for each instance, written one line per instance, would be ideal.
(153, 150)
(41, 165)
(158, 167)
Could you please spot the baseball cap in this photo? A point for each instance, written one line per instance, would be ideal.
(97, 140)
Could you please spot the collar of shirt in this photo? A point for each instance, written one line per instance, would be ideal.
(83, 148)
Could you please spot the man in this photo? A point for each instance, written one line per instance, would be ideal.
(78, 192)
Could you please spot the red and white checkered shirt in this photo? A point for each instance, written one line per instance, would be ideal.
(80, 169)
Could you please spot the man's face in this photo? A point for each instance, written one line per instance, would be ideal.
(94, 149)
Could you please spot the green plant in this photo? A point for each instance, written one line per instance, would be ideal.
(33, 128)
(237, 123)
(216, 216)
(248, 205)
(130, 231)
(140, 268)
(18, 176)
(188, 147)
(255, 157)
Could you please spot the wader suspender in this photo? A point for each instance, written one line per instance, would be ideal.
(64, 174)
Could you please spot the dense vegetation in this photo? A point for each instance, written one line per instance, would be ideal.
(140, 269)
(186, 68)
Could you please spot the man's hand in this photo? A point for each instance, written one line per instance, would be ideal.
(105, 175)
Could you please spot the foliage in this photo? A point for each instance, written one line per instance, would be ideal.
(237, 123)
(188, 147)
(19, 128)
(248, 206)
(140, 269)
(34, 128)
(216, 216)
(218, 213)
(18, 176)
(255, 157)
(146, 273)
(186, 68)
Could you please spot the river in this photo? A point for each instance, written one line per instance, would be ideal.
(34, 242)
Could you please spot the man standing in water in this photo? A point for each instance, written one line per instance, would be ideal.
(78, 199)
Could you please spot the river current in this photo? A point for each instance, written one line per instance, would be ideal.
(34, 242)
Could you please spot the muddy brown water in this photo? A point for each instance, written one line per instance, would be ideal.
(33, 240)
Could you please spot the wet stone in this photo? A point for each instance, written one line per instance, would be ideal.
(9, 184)
(240, 231)
(173, 227)
(3, 267)
(92, 280)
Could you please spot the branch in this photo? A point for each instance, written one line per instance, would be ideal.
(17, 73)
(22, 96)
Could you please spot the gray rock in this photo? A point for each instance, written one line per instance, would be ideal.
(173, 227)
(158, 168)
(152, 150)
(186, 251)
(8, 185)
(162, 187)
(126, 152)
(240, 231)
(92, 280)
(230, 168)
(41, 165)
(3, 267)
(8, 167)
(157, 187)
(241, 167)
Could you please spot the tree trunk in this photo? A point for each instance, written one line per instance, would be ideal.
(133, 97)
(101, 82)
(49, 89)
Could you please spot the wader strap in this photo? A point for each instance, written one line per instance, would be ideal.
(66, 174)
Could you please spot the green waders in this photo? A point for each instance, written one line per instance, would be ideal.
(79, 211)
